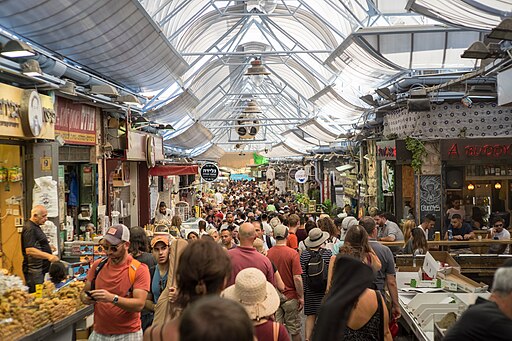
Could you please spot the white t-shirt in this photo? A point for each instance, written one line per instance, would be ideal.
(424, 231)
(163, 216)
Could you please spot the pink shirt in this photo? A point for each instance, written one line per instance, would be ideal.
(248, 257)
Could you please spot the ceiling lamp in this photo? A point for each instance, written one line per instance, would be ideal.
(497, 185)
(345, 168)
(31, 68)
(386, 94)
(17, 48)
(471, 186)
(68, 88)
(128, 99)
(418, 100)
(479, 50)
(268, 6)
(503, 31)
(257, 72)
(251, 108)
(104, 89)
(368, 99)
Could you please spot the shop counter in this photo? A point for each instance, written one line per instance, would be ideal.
(63, 330)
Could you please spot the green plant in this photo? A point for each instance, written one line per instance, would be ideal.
(302, 199)
(329, 207)
(417, 148)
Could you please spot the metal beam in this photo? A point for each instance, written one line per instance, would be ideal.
(254, 53)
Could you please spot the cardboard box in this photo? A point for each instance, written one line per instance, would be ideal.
(86, 250)
(79, 270)
(82, 334)
(431, 266)
(435, 283)
(454, 277)
(99, 250)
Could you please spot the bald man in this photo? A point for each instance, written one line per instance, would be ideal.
(36, 250)
(246, 256)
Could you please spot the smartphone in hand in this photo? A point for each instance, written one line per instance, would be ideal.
(88, 293)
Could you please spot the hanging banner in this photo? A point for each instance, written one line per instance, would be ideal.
(45, 193)
(76, 123)
(300, 176)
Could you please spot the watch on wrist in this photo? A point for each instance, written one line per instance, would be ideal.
(116, 299)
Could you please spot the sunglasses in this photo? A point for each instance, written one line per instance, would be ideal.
(498, 225)
(113, 248)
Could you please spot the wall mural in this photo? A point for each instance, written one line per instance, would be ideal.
(451, 121)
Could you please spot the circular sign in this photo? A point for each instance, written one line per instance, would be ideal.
(300, 176)
(291, 173)
(209, 172)
(32, 113)
(150, 151)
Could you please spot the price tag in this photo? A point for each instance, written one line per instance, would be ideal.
(39, 291)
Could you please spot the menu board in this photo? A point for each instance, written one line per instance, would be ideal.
(431, 199)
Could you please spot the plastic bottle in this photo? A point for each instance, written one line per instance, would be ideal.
(450, 235)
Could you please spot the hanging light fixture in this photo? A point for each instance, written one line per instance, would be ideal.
(31, 68)
(257, 72)
(128, 99)
(497, 185)
(68, 88)
(16, 49)
(471, 186)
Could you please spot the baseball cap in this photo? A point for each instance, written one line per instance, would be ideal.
(280, 231)
(117, 234)
(159, 238)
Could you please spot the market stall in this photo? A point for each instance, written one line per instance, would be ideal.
(48, 314)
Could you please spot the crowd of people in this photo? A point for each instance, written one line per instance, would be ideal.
(254, 269)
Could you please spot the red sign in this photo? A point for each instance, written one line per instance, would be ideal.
(76, 123)
(481, 151)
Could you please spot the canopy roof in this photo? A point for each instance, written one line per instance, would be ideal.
(192, 56)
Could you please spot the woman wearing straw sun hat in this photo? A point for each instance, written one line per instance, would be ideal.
(260, 300)
(312, 299)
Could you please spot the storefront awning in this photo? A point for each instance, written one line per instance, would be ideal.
(174, 170)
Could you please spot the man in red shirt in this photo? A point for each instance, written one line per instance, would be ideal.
(118, 290)
(287, 263)
(246, 256)
(293, 225)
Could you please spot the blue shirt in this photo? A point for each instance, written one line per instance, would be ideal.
(465, 229)
(158, 284)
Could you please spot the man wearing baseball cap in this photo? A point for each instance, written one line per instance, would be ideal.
(159, 274)
(118, 287)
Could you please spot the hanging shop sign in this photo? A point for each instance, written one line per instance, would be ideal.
(300, 176)
(75, 123)
(209, 172)
(26, 113)
(475, 149)
(386, 150)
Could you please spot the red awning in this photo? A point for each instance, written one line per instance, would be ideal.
(174, 170)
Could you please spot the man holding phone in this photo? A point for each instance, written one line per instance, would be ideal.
(118, 289)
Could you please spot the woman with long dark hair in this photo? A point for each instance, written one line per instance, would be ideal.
(417, 245)
(350, 310)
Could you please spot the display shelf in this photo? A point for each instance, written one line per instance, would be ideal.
(488, 177)
(60, 330)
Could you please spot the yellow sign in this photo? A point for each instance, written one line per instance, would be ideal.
(11, 99)
(46, 164)
(39, 291)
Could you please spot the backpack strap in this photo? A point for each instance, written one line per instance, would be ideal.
(100, 266)
(269, 241)
(132, 270)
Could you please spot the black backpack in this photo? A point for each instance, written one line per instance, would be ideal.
(316, 271)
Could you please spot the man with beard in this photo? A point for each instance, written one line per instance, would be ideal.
(118, 287)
